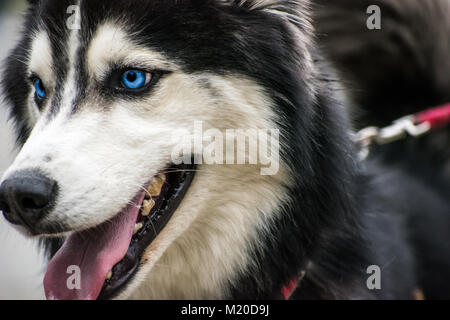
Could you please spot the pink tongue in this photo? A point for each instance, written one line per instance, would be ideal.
(93, 253)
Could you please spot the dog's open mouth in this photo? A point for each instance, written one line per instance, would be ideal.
(98, 263)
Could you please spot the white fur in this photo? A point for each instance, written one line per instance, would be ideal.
(111, 43)
(208, 241)
(40, 62)
(70, 83)
(40, 59)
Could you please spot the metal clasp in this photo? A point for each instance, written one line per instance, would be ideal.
(400, 129)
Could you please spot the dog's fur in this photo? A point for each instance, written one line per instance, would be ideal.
(237, 234)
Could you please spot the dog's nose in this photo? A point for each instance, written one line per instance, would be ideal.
(26, 197)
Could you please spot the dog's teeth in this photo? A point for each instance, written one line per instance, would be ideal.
(156, 185)
(147, 206)
(137, 227)
(109, 276)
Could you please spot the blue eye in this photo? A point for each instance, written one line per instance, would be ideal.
(40, 89)
(135, 79)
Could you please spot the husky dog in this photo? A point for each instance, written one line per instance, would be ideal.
(95, 104)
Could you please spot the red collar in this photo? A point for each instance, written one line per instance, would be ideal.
(289, 289)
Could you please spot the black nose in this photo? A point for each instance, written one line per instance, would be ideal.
(26, 197)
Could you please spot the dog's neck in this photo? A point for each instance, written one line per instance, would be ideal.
(224, 242)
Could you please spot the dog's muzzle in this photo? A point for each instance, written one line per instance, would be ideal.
(109, 255)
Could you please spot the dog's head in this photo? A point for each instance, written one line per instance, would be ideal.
(104, 93)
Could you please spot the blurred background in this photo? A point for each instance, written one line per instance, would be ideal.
(21, 265)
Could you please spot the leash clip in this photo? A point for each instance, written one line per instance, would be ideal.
(365, 139)
(400, 129)
(412, 125)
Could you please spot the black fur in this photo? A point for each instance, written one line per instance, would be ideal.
(343, 215)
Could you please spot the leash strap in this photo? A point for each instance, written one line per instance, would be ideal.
(437, 117)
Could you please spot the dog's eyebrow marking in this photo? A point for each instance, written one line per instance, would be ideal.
(40, 58)
(70, 89)
(111, 44)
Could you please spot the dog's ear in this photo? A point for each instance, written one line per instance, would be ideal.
(296, 11)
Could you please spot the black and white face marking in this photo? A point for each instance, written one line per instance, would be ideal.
(116, 89)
